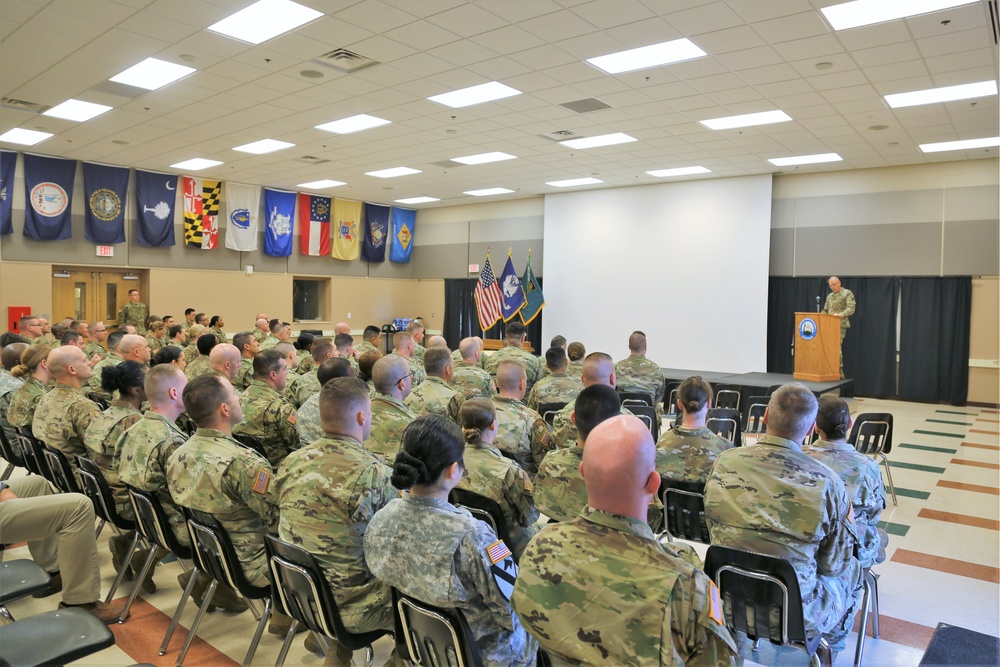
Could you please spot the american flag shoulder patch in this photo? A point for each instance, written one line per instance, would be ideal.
(714, 603)
(497, 552)
(261, 482)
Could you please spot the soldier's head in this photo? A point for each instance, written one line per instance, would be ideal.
(555, 359)
(334, 368)
(271, 368)
(130, 330)
(283, 332)
(158, 329)
(291, 356)
(205, 343)
(598, 368)
(177, 334)
(115, 340)
(225, 359)
(619, 467)
(791, 412)
(34, 362)
(165, 390)
(189, 315)
(168, 321)
(261, 325)
(558, 341)
(373, 335)
(341, 328)
(97, 331)
(833, 418)
(345, 409)
(391, 375)
(127, 379)
(58, 329)
(515, 334)
(134, 347)
(834, 283)
(402, 344)
(343, 343)
(366, 364)
(479, 420)
(11, 355)
(576, 351)
(694, 396)
(44, 324)
(512, 379)
(637, 343)
(169, 355)
(322, 349)
(79, 327)
(30, 327)
(262, 316)
(305, 341)
(133, 295)
(246, 344)
(71, 338)
(432, 455)
(212, 403)
(202, 319)
(438, 362)
(68, 365)
(416, 331)
(594, 405)
(216, 321)
(470, 349)
(437, 341)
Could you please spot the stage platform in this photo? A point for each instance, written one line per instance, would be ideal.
(757, 384)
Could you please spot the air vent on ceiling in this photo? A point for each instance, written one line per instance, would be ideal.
(345, 61)
(562, 135)
(311, 159)
(22, 105)
(586, 105)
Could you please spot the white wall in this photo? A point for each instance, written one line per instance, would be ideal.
(687, 263)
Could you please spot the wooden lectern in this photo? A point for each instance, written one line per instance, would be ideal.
(817, 347)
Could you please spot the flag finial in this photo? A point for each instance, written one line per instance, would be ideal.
(510, 251)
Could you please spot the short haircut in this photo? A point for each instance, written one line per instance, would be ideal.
(515, 330)
(791, 411)
(284, 347)
(174, 330)
(133, 290)
(558, 341)
(206, 342)
(436, 360)
(70, 337)
(598, 367)
(388, 371)
(468, 347)
(275, 326)
(267, 362)
(341, 397)
(595, 404)
(430, 444)
(371, 331)
(92, 327)
(11, 355)
(415, 325)
(322, 347)
(555, 357)
(343, 341)
(510, 372)
(334, 368)
(199, 317)
(694, 394)
(576, 351)
(123, 377)
(400, 338)
(203, 396)
(160, 379)
(115, 338)
(23, 322)
(637, 342)
(833, 417)
(188, 311)
(241, 339)
(58, 329)
(167, 317)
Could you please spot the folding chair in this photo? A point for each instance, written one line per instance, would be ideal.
(629, 398)
(9, 449)
(548, 411)
(429, 635)
(684, 510)
(726, 423)
(53, 638)
(872, 435)
(101, 401)
(670, 400)
(20, 578)
(727, 396)
(648, 416)
(485, 509)
(869, 601)
(64, 477)
(754, 422)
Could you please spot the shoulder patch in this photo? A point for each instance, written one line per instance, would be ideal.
(497, 552)
(547, 437)
(293, 417)
(261, 482)
(714, 602)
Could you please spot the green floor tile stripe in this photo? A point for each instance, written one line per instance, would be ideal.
(894, 528)
(915, 466)
(945, 435)
(911, 493)
(945, 421)
(957, 412)
(928, 448)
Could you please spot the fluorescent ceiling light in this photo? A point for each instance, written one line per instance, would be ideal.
(264, 19)
(866, 12)
(678, 171)
(746, 120)
(196, 164)
(947, 94)
(573, 182)
(24, 137)
(77, 110)
(488, 191)
(319, 185)
(965, 144)
(151, 74)
(601, 140)
(483, 158)
(417, 200)
(804, 159)
(486, 92)
(263, 146)
(392, 173)
(647, 56)
(353, 124)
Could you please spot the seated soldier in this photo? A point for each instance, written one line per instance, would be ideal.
(201, 364)
(64, 413)
(470, 378)
(687, 451)
(436, 395)
(556, 387)
(266, 416)
(310, 424)
(523, 435)
(390, 416)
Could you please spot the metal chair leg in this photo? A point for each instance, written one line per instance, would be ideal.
(6, 473)
(369, 656)
(287, 644)
(888, 474)
(863, 626)
(264, 617)
(100, 527)
(6, 614)
(180, 609)
(121, 573)
(824, 654)
(209, 594)
(873, 582)
(150, 561)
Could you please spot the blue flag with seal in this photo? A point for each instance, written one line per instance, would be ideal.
(48, 191)
(404, 222)
(104, 189)
(534, 299)
(155, 197)
(510, 289)
(375, 220)
(279, 214)
(7, 162)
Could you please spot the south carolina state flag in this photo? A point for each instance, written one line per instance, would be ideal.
(201, 212)
(314, 221)
(347, 230)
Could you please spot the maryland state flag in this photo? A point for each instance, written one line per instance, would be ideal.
(201, 212)
(535, 300)
(346, 229)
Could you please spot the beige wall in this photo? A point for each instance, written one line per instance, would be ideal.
(26, 284)
(984, 341)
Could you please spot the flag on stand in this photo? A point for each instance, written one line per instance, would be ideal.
(347, 229)
(489, 301)
(535, 300)
(513, 295)
(314, 221)
(279, 210)
(7, 162)
(48, 191)
(404, 222)
(242, 212)
(104, 191)
(375, 220)
(155, 197)
(201, 212)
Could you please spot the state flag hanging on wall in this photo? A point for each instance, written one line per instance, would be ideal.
(8, 160)
(201, 212)
(404, 222)
(104, 189)
(346, 229)
(155, 197)
(242, 211)
(314, 221)
(48, 191)
(375, 222)
(279, 216)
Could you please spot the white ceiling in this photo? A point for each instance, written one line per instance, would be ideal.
(763, 54)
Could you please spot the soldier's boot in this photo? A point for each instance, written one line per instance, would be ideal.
(198, 592)
(118, 544)
(338, 655)
(314, 646)
(139, 560)
(280, 624)
(227, 599)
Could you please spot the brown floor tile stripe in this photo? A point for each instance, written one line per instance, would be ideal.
(976, 445)
(948, 565)
(976, 464)
(141, 635)
(964, 519)
(898, 631)
(968, 487)
(975, 430)
(992, 421)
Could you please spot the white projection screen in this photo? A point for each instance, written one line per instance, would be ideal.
(687, 263)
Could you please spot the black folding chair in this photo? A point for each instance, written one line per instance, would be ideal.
(33, 450)
(629, 398)
(684, 510)
(429, 635)
(18, 579)
(53, 638)
(250, 442)
(872, 435)
(754, 421)
(101, 400)
(485, 509)
(64, 477)
(548, 411)
(726, 396)
(670, 400)
(648, 416)
(725, 422)
(10, 449)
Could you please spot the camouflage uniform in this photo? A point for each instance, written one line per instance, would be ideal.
(219, 334)
(134, 314)
(473, 381)
(265, 344)
(638, 374)
(601, 590)
(419, 351)
(244, 374)
(390, 417)
(350, 358)
(489, 473)
(213, 473)
(309, 425)
(155, 344)
(191, 353)
(532, 366)
(554, 388)
(455, 570)
(687, 455)
(94, 383)
(564, 428)
(23, 401)
(327, 493)
(8, 385)
(417, 372)
(365, 346)
(559, 492)
(773, 499)
(199, 366)
(269, 419)
(574, 368)
(522, 434)
(61, 420)
(305, 386)
(102, 439)
(306, 362)
(436, 397)
(92, 348)
(841, 302)
(863, 481)
(259, 335)
(142, 463)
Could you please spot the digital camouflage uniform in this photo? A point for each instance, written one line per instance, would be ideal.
(635, 373)
(841, 302)
(306, 362)
(309, 425)
(8, 385)
(390, 417)
(863, 482)
(305, 386)
(23, 402)
(365, 346)
(455, 570)
(773, 499)
(199, 366)
(687, 455)
(191, 353)
(532, 365)
(291, 388)
(601, 590)
(473, 381)
(522, 434)
(350, 358)
(61, 420)
(155, 344)
(327, 493)
(267, 417)
(94, 383)
(266, 344)
(564, 429)
(102, 439)
(92, 348)
(574, 368)
(559, 491)
(554, 388)
(213, 473)
(219, 334)
(142, 463)
(134, 314)
(259, 335)
(417, 372)
(434, 396)
(489, 473)
(244, 374)
(419, 351)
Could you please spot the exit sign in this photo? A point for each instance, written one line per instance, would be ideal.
(473, 268)
(105, 251)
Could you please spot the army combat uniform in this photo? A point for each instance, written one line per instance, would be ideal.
(554, 388)
(244, 374)
(309, 425)
(532, 365)
(434, 396)
(559, 491)
(199, 366)
(8, 385)
(61, 420)
(688, 454)
(473, 381)
(102, 438)
(267, 417)
(841, 302)
(635, 373)
(564, 428)
(390, 417)
(94, 383)
(134, 314)
(23, 402)
(92, 348)
(522, 434)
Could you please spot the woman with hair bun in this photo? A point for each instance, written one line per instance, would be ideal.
(304, 345)
(169, 355)
(687, 452)
(35, 372)
(462, 564)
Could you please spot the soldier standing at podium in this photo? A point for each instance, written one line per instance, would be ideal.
(840, 302)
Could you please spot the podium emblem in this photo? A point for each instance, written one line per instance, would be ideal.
(807, 328)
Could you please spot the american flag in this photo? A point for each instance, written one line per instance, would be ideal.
(489, 300)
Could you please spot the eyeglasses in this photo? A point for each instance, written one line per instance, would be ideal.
(408, 375)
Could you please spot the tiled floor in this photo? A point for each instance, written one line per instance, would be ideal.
(943, 560)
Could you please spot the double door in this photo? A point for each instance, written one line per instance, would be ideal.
(90, 295)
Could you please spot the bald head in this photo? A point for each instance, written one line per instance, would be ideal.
(68, 365)
(261, 325)
(388, 371)
(225, 358)
(470, 348)
(598, 368)
(11, 355)
(134, 348)
(511, 378)
(436, 341)
(341, 328)
(619, 467)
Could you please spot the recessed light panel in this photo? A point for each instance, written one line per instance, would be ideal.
(648, 56)
(466, 97)
(24, 137)
(77, 110)
(963, 145)
(866, 12)
(392, 173)
(678, 171)
(746, 120)
(353, 124)
(488, 191)
(483, 158)
(196, 164)
(417, 200)
(151, 74)
(601, 140)
(264, 19)
(965, 91)
(320, 185)
(804, 159)
(573, 182)
(263, 146)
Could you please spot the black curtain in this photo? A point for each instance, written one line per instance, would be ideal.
(934, 339)
(785, 297)
(462, 321)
